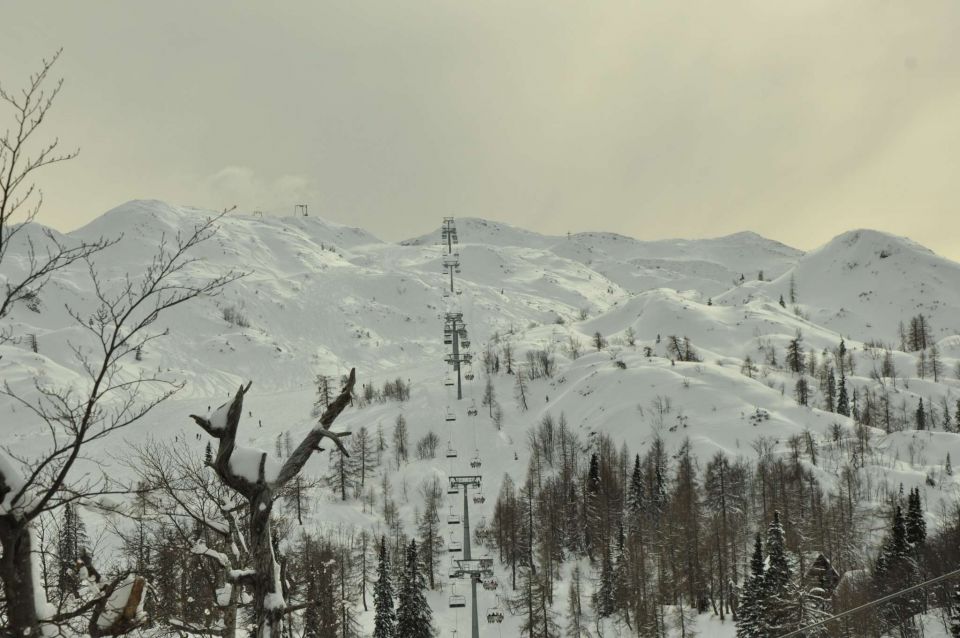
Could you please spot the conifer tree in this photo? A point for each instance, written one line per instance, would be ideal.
(605, 602)
(778, 567)
(71, 545)
(752, 607)
(831, 392)
(384, 622)
(795, 360)
(921, 416)
(414, 617)
(636, 499)
(843, 403)
(916, 526)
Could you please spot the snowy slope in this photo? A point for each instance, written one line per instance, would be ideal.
(863, 283)
(321, 298)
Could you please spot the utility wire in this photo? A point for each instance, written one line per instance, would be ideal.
(873, 603)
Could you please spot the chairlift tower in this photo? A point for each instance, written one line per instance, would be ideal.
(467, 566)
(300, 210)
(448, 234)
(451, 265)
(455, 335)
(476, 569)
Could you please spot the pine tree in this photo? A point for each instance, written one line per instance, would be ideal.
(831, 392)
(921, 416)
(752, 607)
(605, 602)
(782, 302)
(778, 569)
(636, 499)
(384, 623)
(843, 403)
(795, 354)
(71, 545)
(414, 617)
(916, 526)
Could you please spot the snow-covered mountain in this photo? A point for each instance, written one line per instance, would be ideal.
(320, 298)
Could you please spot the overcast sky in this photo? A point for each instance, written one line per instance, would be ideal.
(796, 119)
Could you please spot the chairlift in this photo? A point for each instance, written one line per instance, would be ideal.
(465, 343)
(472, 410)
(453, 518)
(448, 381)
(452, 454)
(469, 375)
(454, 547)
(447, 339)
(494, 615)
(450, 416)
(457, 600)
(475, 461)
(490, 584)
(479, 498)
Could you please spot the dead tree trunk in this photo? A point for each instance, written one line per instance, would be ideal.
(260, 487)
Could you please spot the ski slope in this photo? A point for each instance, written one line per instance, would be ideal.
(320, 298)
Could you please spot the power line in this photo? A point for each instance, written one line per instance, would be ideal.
(797, 632)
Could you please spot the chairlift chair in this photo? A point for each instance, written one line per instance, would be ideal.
(490, 584)
(453, 518)
(494, 615)
(450, 416)
(448, 380)
(472, 410)
(455, 546)
(452, 454)
(457, 600)
(475, 461)
(479, 499)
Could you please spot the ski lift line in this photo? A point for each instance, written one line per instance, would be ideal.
(873, 603)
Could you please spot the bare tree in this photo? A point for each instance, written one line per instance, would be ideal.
(182, 491)
(258, 479)
(21, 199)
(112, 399)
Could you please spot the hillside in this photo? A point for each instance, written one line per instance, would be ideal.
(320, 298)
